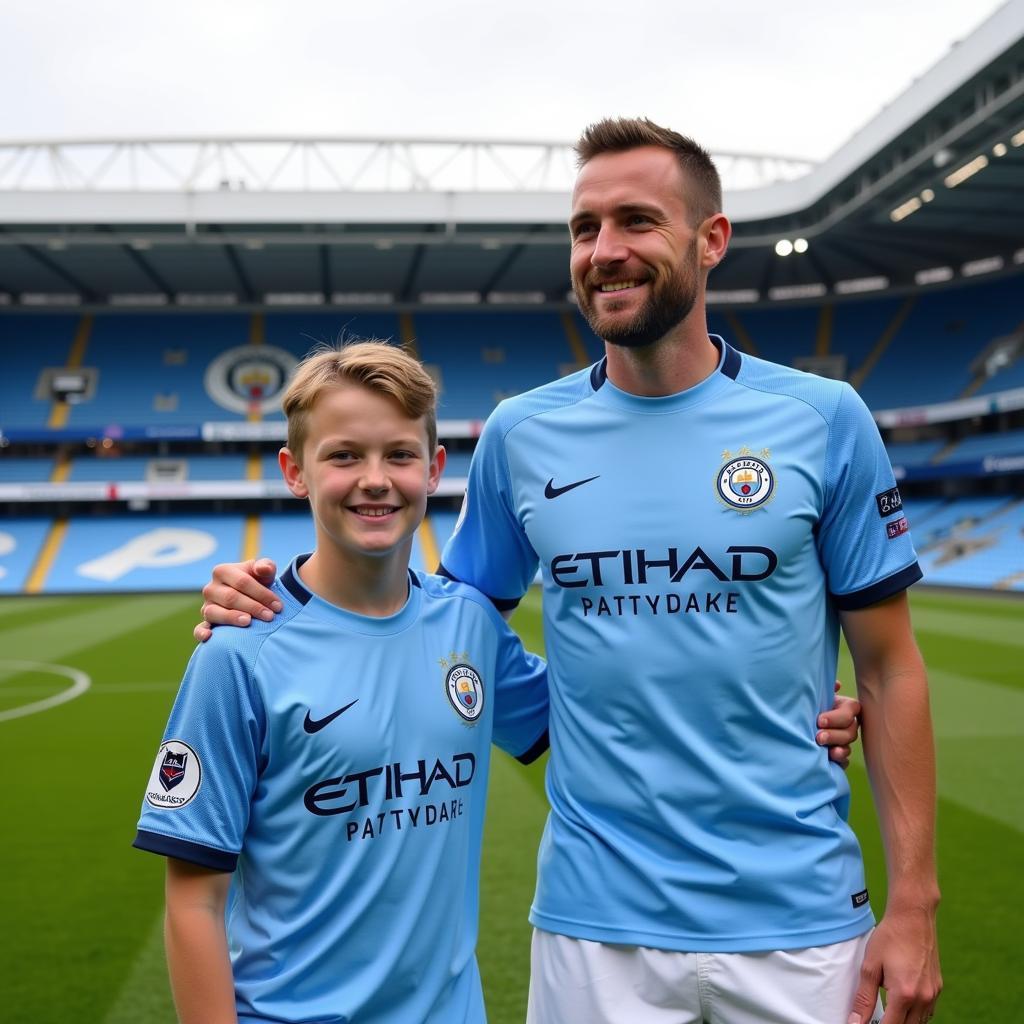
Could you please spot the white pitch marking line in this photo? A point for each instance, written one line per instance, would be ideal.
(80, 682)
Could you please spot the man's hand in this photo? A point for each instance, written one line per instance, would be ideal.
(902, 956)
(236, 594)
(838, 728)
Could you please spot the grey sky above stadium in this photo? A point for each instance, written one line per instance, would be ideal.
(792, 77)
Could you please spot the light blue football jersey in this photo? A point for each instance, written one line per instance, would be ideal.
(338, 765)
(695, 550)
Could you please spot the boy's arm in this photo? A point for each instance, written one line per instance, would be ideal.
(902, 954)
(196, 943)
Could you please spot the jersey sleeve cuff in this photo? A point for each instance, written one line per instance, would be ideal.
(181, 849)
(536, 750)
(879, 591)
(503, 604)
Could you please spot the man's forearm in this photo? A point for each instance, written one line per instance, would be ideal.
(900, 754)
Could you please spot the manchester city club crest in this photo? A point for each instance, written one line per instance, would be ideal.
(176, 777)
(745, 482)
(464, 687)
(249, 379)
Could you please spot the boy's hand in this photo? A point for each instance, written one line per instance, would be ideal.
(838, 728)
(237, 592)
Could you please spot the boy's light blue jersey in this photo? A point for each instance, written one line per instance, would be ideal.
(696, 550)
(338, 765)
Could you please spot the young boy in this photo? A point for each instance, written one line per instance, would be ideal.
(322, 777)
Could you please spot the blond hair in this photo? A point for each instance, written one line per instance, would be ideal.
(376, 365)
(620, 134)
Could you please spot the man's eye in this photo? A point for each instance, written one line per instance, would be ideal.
(582, 230)
(638, 218)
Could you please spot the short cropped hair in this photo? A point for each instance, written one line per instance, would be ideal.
(374, 364)
(620, 134)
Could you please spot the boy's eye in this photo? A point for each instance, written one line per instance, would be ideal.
(402, 455)
(342, 456)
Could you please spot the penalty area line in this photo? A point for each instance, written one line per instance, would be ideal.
(80, 682)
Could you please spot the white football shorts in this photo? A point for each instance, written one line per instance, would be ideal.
(575, 981)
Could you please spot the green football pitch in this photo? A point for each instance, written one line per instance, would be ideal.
(80, 936)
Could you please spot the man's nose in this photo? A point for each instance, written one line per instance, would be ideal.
(609, 247)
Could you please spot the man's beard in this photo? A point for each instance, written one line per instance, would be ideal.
(666, 307)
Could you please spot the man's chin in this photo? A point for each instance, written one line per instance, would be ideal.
(626, 334)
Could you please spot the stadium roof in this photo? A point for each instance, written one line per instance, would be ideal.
(931, 190)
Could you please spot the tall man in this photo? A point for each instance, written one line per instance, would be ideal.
(704, 522)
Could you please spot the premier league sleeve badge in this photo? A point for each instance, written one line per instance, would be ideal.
(176, 777)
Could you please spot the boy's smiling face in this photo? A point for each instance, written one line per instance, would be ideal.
(367, 471)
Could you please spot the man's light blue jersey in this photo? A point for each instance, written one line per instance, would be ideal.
(696, 550)
(338, 765)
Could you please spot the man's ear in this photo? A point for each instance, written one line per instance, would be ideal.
(715, 232)
(292, 473)
(436, 469)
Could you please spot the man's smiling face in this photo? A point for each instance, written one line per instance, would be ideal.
(634, 260)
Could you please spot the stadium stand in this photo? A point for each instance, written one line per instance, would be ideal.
(913, 453)
(1009, 442)
(898, 350)
(162, 381)
(929, 359)
(484, 357)
(25, 470)
(21, 540)
(983, 549)
(30, 343)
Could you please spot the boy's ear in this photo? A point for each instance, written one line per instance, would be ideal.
(292, 473)
(436, 469)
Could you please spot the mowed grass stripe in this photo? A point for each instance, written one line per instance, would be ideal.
(13, 609)
(146, 994)
(77, 895)
(55, 635)
(1004, 631)
(974, 658)
(973, 719)
(978, 862)
(1008, 606)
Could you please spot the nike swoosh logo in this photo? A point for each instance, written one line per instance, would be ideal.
(315, 725)
(551, 491)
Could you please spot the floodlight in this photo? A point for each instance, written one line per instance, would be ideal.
(968, 170)
(783, 247)
(800, 245)
(912, 205)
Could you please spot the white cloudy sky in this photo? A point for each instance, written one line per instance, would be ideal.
(794, 77)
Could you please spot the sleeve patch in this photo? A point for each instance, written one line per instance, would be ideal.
(889, 503)
(897, 527)
(176, 777)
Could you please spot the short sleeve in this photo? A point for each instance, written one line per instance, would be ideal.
(520, 698)
(489, 548)
(196, 804)
(863, 538)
